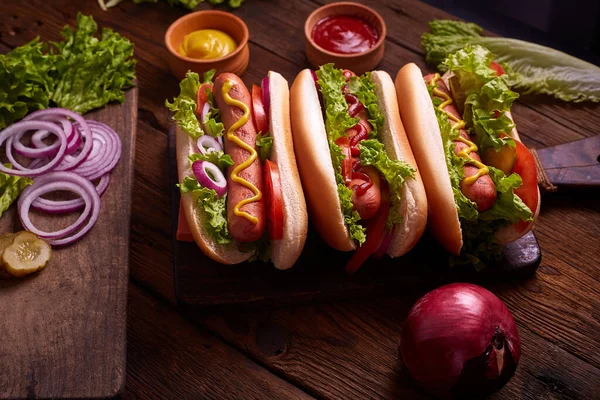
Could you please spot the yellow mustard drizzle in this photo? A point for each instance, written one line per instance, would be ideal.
(460, 124)
(253, 154)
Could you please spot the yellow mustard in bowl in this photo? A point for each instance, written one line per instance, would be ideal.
(207, 44)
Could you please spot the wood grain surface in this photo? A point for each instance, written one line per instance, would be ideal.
(334, 349)
(63, 329)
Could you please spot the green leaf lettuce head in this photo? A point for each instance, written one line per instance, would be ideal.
(184, 106)
(212, 207)
(530, 67)
(10, 188)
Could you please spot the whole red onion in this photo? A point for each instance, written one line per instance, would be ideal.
(460, 341)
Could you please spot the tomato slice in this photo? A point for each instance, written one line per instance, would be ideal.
(274, 201)
(375, 233)
(528, 191)
(498, 68)
(261, 122)
(202, 96)
(344, 144)
(183, 233)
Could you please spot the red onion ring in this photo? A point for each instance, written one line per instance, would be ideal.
(217, 181)
(207, 144)
(68, 206)
(203, 113)
(107, 154)
(14, 129)
(41, 149)
(61, 181)
(85, 133)
(266, 96)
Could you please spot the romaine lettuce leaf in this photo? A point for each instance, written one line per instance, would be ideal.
(213, 208)
(530, 67)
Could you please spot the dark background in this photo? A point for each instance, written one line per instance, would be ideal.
(572, 26)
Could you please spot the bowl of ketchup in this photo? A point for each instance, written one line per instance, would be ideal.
(350, 35)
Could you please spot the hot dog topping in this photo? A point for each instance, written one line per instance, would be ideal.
(460, 124)
(253, 154)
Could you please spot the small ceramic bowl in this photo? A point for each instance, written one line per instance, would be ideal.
(235, 62)
(359, 62)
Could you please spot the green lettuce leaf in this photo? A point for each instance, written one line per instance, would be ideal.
(261, 248)
(265, 145)
(213, 208)
(395, 172)
(92, 72)
(364, 88)
(530, 67)
(26, 79)
(184, 106)
(219, 158)
(10, 188)
(488, 97)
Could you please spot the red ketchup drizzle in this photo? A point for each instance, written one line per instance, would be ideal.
(354, 105)
(362, 188)
(344, 34)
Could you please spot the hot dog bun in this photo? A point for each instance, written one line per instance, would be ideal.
(414, 199)
(423, 131)
(286, 251)
(315, 165)
(224, 254)
(317, 172)
(424, 134)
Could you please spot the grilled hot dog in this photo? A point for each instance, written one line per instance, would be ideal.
(242, 228)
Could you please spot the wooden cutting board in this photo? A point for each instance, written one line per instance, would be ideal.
(63, 329)
(319, 272)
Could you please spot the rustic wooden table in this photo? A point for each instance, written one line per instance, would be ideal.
(345, 349)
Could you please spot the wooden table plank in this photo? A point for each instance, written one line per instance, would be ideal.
(170, 358)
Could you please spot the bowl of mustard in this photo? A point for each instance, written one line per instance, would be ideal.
(208, 39)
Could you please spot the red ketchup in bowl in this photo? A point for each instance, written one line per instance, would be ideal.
(344, 34)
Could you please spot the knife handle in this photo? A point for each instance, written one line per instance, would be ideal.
(575, 164)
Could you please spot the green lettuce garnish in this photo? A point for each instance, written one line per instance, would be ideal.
(184, 106)
(364, 88)
(394, 172)
(10, 188)
(212, 206)
(26, 80)
(265, 145)
(530, 67)
(92, 72)
(80, 73)
(218, 157)
(488, 97)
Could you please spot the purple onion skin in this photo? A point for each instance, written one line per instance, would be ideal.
(459, 341)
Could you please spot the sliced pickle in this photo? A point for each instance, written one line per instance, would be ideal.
(27, 254)
(5, 241)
